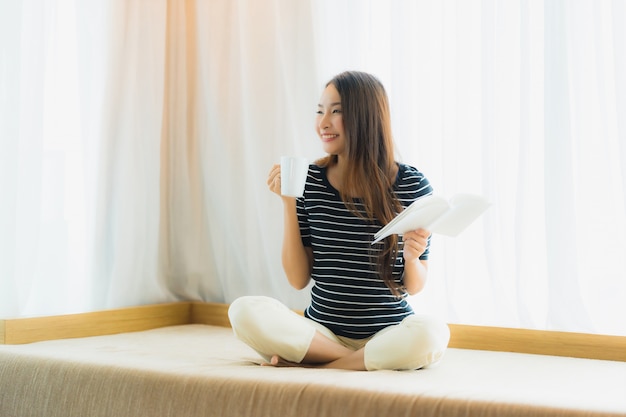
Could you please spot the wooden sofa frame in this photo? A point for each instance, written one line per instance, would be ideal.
(130, 319)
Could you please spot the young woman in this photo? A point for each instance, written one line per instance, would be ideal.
(358, 317)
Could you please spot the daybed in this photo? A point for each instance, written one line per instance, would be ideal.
(181, 360)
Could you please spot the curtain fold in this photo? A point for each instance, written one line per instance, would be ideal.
(256, 101)
(10, 28)
(126, 213)
(560, 192)
(135, 140)
(184, 249)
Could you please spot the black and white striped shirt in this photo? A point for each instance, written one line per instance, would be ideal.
(348, 296)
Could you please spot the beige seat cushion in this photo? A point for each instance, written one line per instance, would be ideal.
(201, 370)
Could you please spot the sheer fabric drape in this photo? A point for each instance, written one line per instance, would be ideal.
(80, 155)
(135, 139)
(522, 102)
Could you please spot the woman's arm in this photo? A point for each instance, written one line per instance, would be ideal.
(296, 258)
(415, 270)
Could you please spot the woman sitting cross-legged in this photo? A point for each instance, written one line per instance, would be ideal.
(359, 317)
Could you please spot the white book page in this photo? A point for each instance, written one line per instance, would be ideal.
(420, 214)
(437, 215)
(464, 209)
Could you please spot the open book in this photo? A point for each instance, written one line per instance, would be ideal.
(436, 214)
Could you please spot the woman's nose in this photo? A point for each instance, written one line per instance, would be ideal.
(323, 122)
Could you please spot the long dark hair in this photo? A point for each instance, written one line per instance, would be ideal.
(370, 155)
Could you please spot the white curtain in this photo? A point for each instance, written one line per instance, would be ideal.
(135, 139)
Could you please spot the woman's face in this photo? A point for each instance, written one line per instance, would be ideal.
(329, 122)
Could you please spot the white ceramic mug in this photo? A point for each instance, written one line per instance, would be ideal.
(293, 173)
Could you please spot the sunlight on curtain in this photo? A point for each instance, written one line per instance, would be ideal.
(524, 103)
(79, 123)
(256, 99)
(133, 169)
(128, 127)
(43, 205)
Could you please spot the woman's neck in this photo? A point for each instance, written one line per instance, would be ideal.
(337, 173)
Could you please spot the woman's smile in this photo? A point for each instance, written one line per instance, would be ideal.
(327, 137)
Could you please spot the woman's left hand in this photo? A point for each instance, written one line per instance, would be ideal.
(415, 243)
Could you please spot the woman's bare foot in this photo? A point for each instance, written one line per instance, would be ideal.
(279, 362)
(353, 361)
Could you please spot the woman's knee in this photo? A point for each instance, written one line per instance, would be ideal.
(270, 327)
(415, 343)
(238, 311)
(245, 312)
(427, 333)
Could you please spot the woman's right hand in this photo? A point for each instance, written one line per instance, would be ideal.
(273, 179)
